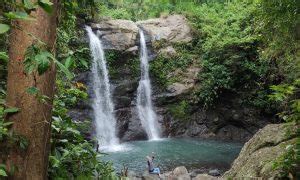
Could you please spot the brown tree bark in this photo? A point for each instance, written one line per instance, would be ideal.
(34, 119)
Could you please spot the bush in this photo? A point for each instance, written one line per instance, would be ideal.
(163, 67)
(71, 154)
(228, 47)
(180, 111)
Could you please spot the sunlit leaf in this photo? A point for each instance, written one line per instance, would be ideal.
(46, 5)
(18, 15)
(65, 70)
(2, 173)
(84, 63)
(28, 4)
(4, 57)
(7, 123)
(4, 28)
(63, 140)
(69, 62)
(11, 110)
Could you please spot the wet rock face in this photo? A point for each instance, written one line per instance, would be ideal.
(129, 126)
(226, 121)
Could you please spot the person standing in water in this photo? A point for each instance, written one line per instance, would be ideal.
(151, 168)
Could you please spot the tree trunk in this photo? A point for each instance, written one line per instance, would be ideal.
(34, 119)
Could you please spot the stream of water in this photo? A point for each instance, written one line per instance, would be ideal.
(104, 119)
(144, 103)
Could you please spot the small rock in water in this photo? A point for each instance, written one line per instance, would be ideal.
(214, 172)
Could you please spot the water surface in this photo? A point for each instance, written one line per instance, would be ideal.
(170, 153)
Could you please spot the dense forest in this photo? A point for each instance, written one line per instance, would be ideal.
(246, 54)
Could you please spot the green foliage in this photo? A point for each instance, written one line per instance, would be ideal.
(4, 129)
(18, 15)
(120, 13)
(114, 58)
(4, 125)
(228, 46)
(287, 162)
(70, 50)
(134, 10)
(38, 59)
(8, 139)
(164, 67)
(12, 10)
(45, 4)
(140, 10)
(278, 23)
(287, 98)
(2, 170)
(4, 28)
(161, 68)
(71, 154)
(287, 95)
(180, 111)
(3, 56)
(134, 66)
(69, 95)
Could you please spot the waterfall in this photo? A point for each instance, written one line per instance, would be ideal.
(105, 122)
(144, 102)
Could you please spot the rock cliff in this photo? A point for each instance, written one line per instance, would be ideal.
(227, 120)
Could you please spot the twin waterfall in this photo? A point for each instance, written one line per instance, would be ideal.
(105, 121)
(144, 102)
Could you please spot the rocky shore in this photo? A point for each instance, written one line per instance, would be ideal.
(179, 173)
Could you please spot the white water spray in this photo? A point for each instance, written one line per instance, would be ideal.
(103, 107)
(144, 102)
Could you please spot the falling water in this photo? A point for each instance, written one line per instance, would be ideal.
(144, 102)
(103, 107)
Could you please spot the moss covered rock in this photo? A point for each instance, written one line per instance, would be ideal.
(259, 154)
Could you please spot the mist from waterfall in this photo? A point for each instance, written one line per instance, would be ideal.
(104, 119)
(144, 103)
